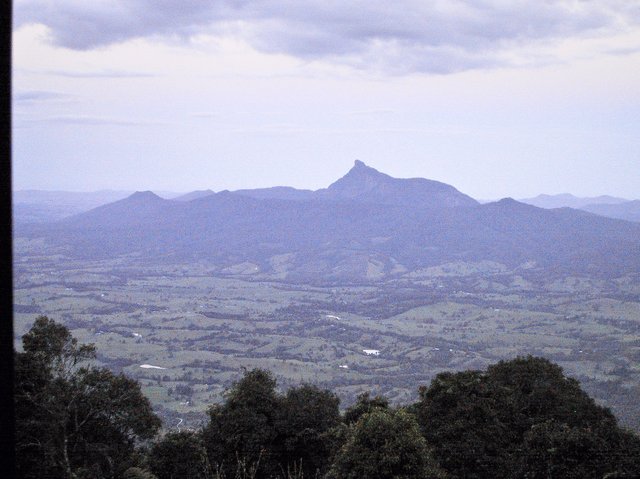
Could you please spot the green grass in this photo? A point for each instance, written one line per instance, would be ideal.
(458, 316)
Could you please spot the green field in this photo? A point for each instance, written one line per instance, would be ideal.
(204, 327)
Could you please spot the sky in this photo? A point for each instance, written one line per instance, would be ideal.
(499, 98)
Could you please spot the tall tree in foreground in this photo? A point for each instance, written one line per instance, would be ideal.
(385, 444)
(306, 414)
(74, 420)
(272, 434)
(180, 455)
(519, 419)
(243, 429)
(364, 404)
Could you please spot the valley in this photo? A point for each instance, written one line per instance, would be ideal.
(204, 325)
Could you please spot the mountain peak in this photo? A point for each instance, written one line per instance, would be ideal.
(360, 168)
(144, 195)
(365, 184)
(359, 164)
(359, 180)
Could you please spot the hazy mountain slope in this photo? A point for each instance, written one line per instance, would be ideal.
(339, 239)
(567, 200)
(193, 195)
(629, 210)
(37, 206)
(278, 193)
(88, 199)
(365, 184)
(143, 208)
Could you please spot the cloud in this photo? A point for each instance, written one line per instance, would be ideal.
(98, 74)
(93, 121)
(437, 36)
(36, 96)
(108, 74)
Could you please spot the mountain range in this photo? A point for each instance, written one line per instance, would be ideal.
(629, 210)
(566, 200)
(609, 206)
(365, 226)
(38, 206)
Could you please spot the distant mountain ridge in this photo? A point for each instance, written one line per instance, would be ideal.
(36, 206)
(566, 200)
(278, 193)
(41, 206)
(628, 211)
(367, 185)
(194, 195)
(362, 183)
(365, 226)
(609, 206)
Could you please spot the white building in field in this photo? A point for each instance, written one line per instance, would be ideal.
(371, 352)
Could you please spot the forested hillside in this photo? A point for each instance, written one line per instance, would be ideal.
(521, 418)
(336, 233)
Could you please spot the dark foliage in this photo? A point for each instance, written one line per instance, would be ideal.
(386, 445)
(244, 427)
(180, 455)
(500, 422)
(307, 414)
(73, 421)
(363, 405)
(557, 450)
(258, 426)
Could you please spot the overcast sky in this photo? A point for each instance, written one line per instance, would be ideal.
(496, 97)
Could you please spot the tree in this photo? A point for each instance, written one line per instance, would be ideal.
(180, 455)
(74, 420)
(242, 430)
(306, 414)
(386, 445)
(364, 404)
(497, 423)
(557, 450)
(533, 390)
(459, 417)
(53, 345)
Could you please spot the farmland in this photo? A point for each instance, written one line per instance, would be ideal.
(205, 325)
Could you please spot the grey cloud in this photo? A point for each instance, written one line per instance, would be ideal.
(98, 74)
(35, 96)
(402, 36)
(94, 121)
(83, 25)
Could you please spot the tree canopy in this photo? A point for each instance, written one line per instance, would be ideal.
(518, 419)
(180, 455)
(387, 445)
(497, 422)
(74, 420)
(272, 432)
(364, 404)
